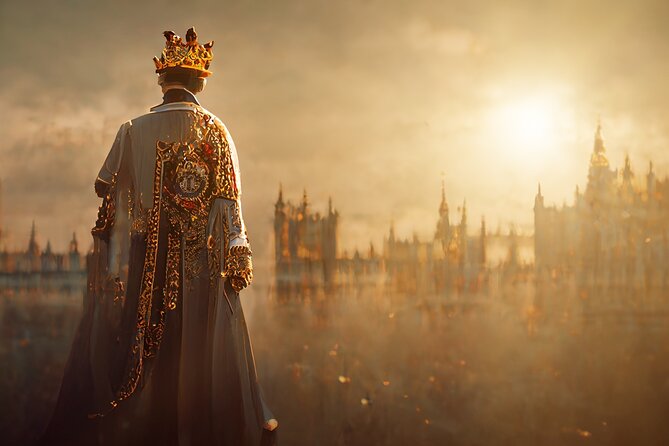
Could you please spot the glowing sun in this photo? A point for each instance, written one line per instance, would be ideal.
(528, 124)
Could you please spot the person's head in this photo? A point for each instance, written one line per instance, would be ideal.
(187, 79)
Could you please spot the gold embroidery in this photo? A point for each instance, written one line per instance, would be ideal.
(154, 333)
(239, 267)
(173, 269)
(140, 223)
(194, 243)
(214, 251)
(106, 212)
(213, 132)
(136, 354)
(196, 172)
(187, 187)
(188, 176)
(236, 217)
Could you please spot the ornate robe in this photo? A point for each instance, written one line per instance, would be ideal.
(162, 355)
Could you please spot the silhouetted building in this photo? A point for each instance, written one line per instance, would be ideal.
(305, 246)
(37, 269)
(452, 262)
(613, 240)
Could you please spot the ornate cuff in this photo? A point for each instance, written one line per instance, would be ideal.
(238, 267)
(106, 211)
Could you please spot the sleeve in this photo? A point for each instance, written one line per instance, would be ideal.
(112, 163)
(237, 264)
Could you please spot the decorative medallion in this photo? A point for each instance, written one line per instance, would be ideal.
(192, 178)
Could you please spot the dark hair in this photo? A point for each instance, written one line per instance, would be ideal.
(186, 77)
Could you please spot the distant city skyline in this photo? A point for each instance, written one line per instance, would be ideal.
(14, 239)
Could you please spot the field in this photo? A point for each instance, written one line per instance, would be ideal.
(366, 369)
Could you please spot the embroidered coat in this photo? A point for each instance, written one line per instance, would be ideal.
(162, 355)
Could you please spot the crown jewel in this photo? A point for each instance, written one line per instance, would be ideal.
(189, 54)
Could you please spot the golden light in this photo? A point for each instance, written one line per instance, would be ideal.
(527, 122)
(529, 128)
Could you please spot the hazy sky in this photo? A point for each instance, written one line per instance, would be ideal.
(369, 101)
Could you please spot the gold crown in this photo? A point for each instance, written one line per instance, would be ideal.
(189, 54)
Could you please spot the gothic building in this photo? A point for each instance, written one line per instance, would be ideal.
(307, 257)
(613, 240)
(305, 246)
(45, 269)
(453, 261)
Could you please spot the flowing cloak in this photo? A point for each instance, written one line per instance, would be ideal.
(162, 354)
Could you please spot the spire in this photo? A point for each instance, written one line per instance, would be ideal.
(305, 202)
(598, 158)
(280, 199)
(32, 243)
(627, 170)
(538, 199)
(599, 139)
(463, 219)
(443, 230)
(443, 207)
(650, 181)
(47, 251)
(279, 206)
(74, 245)
(391, 235)
(330, 205)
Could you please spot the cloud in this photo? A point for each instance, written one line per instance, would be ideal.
(366, 101)
(451, 41)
